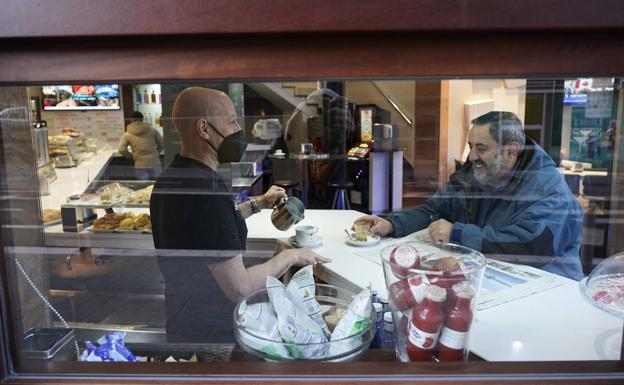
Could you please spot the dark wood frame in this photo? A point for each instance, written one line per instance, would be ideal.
(47, 42)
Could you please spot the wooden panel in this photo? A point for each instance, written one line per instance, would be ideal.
(71, 18)
(427, 134)
(350, 373)
(225, 48)
(317, 56)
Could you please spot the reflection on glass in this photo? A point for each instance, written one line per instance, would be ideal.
(154, 218)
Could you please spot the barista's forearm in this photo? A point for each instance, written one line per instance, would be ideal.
(275, 267)
(245, 209)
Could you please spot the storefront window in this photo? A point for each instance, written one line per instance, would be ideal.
(138, 217)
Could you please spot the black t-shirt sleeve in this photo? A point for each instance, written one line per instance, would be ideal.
(221, 217)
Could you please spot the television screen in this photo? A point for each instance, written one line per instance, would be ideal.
(575, 91)
(81, 97)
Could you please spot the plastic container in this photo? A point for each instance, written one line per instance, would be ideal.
(387, 334)
(327, 296)
(49, 344)
(407, 279)
(376, 343)
(604, 287)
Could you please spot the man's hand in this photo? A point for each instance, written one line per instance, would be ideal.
(281, 246)
(378, 225)
(274, 194)
(440, 230)
(304, 257)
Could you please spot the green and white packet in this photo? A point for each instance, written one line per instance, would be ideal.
(302, 292)
(260, 320)
(295, 327)
(355, 319)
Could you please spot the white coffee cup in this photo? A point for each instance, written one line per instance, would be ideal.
(304, 234)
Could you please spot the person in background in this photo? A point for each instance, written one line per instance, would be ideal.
(508, 198)
(192, 208)
(146, 144)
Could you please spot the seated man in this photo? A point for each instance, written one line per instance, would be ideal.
(508, 198)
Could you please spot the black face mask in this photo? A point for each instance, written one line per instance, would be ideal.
(232, 148)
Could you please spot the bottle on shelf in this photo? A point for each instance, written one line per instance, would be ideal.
(139, 98)
(153, 97)
(388, 331)
(384, 302)
(424, 330)
(145, 96)
(159, 98)
(157, 120)
(374, 294)
(148, 118)
(456, 325)
(377, 342)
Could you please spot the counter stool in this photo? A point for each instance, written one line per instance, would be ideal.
(341, 196)
(287, 184)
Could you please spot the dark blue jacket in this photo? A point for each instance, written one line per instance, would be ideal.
(533, 216)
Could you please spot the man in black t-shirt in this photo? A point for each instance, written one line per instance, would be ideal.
(192, 209)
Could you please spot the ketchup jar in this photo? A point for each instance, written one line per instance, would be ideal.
(424, 329)
(433, 290)
(456, 324)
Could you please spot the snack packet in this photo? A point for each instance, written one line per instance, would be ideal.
(295, 326)
(111, 349)
(261, 321)
(355, 319)
(301, 291)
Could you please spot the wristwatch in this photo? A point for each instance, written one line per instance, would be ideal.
(255, 206)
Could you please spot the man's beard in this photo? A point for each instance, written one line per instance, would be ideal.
(489, 173)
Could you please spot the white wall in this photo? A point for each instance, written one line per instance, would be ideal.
(504, 95)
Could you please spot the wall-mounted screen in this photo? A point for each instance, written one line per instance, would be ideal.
(81, 97)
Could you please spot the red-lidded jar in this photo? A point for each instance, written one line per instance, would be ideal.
(403, 258)
(427, 319)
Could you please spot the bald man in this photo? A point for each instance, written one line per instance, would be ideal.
(192, 208)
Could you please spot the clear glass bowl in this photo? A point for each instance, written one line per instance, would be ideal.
(406, 287)
(326, 295)
(604, 287)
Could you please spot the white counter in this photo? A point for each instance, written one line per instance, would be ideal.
(553, 325)
(556, 324)
(73, 180)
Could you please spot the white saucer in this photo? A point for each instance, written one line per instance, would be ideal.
(317, 241)
(372, 240)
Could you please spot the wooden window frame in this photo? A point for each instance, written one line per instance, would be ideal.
(46, 42)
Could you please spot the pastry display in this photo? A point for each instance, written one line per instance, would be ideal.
(74, 133)
(141, 222)
(50, 215)
(110, 221)
(123, 222)
(58, 140)
(114, 193)
(141, 196)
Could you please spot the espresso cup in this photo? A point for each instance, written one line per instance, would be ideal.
(304, 234)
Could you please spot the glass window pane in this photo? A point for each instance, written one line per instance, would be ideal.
(138, 218)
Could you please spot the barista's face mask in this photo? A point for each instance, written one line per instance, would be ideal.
(232, 147)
